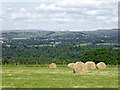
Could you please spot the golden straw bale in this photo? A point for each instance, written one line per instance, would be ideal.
(70, 65)
(52, 65)
(101, 65)
(80, 67)
(90, 65)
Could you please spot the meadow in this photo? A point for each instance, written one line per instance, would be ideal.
(42, 76)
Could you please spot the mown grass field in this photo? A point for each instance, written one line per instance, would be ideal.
(61, 77)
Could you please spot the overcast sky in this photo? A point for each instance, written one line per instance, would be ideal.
(77, 15)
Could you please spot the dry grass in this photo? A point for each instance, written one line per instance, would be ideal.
(60, 77)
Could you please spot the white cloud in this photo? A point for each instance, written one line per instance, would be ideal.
(10, 8)
(28, 20)
(101, 17)
(22, 10)
(27, 15)
(71, 14)
(81, 3)
(62, 19)
(1, 19)
(1, 12)
(108, 21)
(20, 15)
(91, 12)
(15, 23)
(48, 7)
(17, 15)
(18, 28)
(58, 15)
(115, 19)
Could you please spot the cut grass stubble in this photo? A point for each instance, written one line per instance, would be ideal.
(60, 77)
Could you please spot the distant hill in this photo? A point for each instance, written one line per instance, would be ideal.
(31, 47)
(72, 37)
(103, 33)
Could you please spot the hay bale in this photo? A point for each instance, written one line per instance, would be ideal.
(70, 65)
(80, 67)
(101, 65)
(52, 65)
(90, 65)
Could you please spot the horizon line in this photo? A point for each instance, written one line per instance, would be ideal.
(56, 30)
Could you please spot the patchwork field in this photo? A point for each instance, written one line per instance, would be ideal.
(61, 77)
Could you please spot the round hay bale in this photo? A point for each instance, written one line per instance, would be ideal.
(70, 65)
(101, 65)
(80, 67)
(90, 65)
(52, 65)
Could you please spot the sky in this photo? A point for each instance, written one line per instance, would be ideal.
(74, 15)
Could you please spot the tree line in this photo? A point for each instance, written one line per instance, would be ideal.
(60, 55)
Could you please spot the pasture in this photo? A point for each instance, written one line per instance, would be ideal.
(61, 77)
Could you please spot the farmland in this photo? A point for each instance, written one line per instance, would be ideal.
(41, 76)
(60, 47)
(27, 55)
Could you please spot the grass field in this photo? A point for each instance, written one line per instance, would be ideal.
(84, 44)
(107, 44)
(60, 77)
